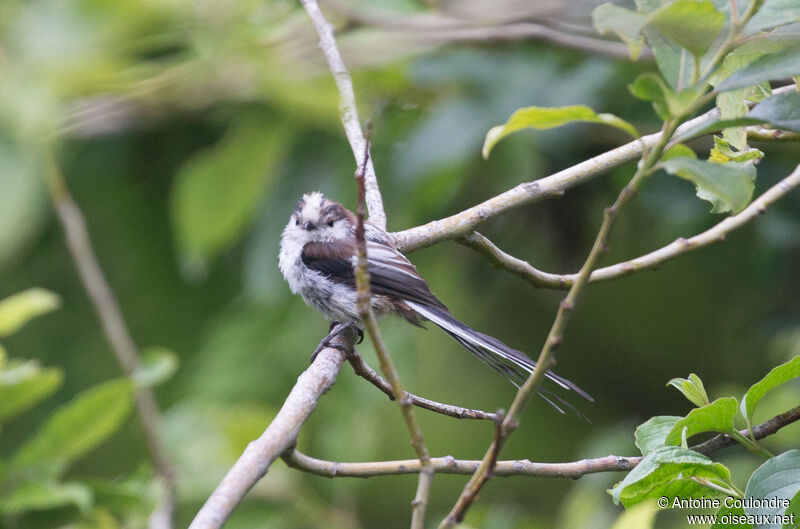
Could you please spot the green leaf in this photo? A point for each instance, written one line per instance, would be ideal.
(778, 477)
(772, 14)
(667, 471)
(724, 153)
(726, 514)
(36, 496)
(548, 118)
(216, 191)
(693, 25)
(78, 426)
(692, 388)
(778, 376)
(652, 433)
(19, 309)
(23, 385)
(157, 365)
(626, 24)
(782, 64)
(651, 87)
(678, 149)
(781, 111)
(730, 184)
(715, 417)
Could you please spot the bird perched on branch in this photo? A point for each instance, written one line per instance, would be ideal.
(318, 258)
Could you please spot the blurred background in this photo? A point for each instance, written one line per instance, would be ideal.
(187, 130)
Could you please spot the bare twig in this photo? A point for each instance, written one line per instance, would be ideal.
(519, 467)
(347, 109)
(387, 365)
(465, 222)
(648, 261)
(116, 332)
(757, 133)
(362, 369)
(438, 28)
(279, 436)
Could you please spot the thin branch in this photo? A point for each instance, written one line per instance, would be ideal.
(519, 467)
(387, 365)
(347, 109)
(551, 186)
(362, 369)
(758, 133)
(555, 185)
(648, 261)
(280, 435)
(437, 28)
(116, 332)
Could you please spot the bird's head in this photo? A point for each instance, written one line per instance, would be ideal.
(318, 219)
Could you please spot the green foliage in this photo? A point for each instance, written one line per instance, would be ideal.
(777, 478)
(24, 384)
(693, 25)
(692, 388)
(217, 191)
(625, 23)
(678, 472)
(728, 187)
(547, 118)
(777, 377)
(19, 309)
(77, 427)
(670, 471)
(778, 65)
(40, 495)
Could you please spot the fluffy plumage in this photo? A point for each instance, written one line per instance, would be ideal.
(318, 258)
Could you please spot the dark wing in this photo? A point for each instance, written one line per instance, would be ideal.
(391, 274)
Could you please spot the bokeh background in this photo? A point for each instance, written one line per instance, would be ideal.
(187, 130)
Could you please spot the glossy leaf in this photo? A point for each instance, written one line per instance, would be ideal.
(692, 388)
(652, 434)
(34, 496)
(668, 471)
(693, 25)
(157, 365)
(715, 417)
(779, 65)
(778, 477)
(626, 24)
(781, 111)
(774, 13)
(19, 309)
(547, 118)
(729, 187)
(778, 376)
(78, 426)
(23, 385)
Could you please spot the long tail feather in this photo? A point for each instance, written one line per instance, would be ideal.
(513, 364)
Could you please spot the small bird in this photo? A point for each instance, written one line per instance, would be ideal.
(318, 258)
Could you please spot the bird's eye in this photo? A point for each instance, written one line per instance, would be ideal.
(330, 222)
(296, 222)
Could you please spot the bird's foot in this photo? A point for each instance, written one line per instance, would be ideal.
(335, 330)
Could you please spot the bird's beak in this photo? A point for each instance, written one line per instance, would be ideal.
(309, 226)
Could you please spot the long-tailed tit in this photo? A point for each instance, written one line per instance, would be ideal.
(318, 258)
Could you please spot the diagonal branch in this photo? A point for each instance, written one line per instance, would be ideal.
(555, 185)
(280, 435)
(519, 467)
(648, 261)
(116, 332)
(363, 370)
(347, 109)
